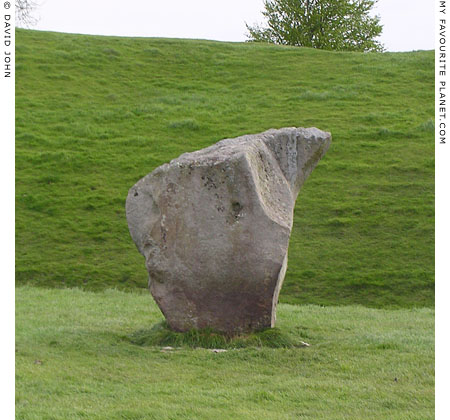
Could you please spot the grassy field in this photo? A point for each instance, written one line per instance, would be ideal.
(95, 114)
(75, 360)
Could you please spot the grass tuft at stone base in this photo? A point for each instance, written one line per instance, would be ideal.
(161, 335)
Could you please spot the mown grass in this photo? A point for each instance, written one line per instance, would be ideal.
(94, 114)
(74, 360)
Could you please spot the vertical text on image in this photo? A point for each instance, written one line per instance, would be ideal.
(7, 43)
(441, 95)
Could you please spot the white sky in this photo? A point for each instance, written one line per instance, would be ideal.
(408, 24)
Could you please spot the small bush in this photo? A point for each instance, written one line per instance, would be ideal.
(188, 124)
(427, 126)
(384, 132)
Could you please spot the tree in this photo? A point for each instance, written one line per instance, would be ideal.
(324, 24)
(24, 12)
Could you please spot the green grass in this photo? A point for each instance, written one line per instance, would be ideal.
(74, 360)
(161, 335)
(95, 114)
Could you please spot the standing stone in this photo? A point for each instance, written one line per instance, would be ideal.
(214, 226)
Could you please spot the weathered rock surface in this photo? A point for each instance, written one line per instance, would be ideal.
(214, 227)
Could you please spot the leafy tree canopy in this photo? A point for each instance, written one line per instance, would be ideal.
(325, 24)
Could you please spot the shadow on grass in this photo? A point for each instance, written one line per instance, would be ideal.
(161, 335)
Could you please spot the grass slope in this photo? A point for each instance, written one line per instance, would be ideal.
(74, 361)
(95, 114)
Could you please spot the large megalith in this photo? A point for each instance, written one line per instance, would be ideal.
(214, 226)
